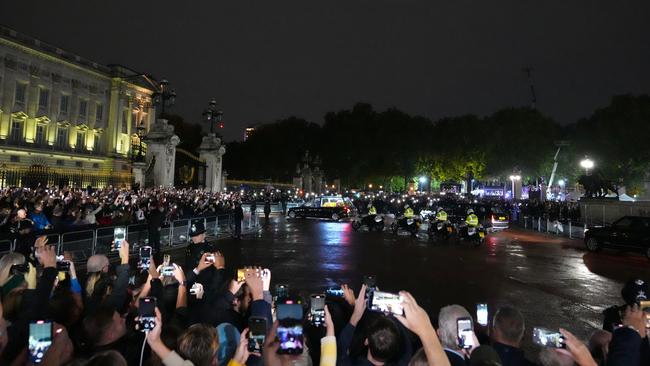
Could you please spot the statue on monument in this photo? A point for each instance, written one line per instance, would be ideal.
(596, 186)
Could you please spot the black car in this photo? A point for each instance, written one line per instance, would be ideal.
(327, 207)
(628, 232)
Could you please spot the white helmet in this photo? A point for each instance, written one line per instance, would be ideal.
(440, 209)
(406, 206)
(470, 211)
(369, 205)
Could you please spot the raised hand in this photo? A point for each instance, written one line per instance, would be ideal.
(203, 262)
(348, 294)
(124, 252)
(47, 255)
(577, 350)
(359, 307)
(415, 318)
(253, 279)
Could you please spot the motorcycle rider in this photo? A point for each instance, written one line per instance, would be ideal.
(441, 215)
(471, 222)
(371, 209)
(472, 219)
(408, 212)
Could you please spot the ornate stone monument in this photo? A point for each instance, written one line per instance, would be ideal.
(211, 151)
(309, 177)
(161, 152)
(139, 168)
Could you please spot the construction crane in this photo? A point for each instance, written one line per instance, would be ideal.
(529, 74)
(560, 145)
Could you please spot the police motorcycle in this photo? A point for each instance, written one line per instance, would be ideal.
(439, 229)
(475, 234)
(372, 221)
(407, 222)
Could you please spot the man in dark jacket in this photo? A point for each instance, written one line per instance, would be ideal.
(154, 225)
(198, 246)
(267, 211)
(508, 328)
(238, 216)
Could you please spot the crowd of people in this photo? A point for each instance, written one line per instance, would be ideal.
(457, 205)
(151, 311)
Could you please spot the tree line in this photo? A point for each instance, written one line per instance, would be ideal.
(361, 146)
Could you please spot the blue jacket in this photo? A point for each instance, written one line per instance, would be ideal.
(40, 220)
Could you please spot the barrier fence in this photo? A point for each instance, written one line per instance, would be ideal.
(85, 243)
(572, 230)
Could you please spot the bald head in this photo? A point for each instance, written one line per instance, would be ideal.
(97, 263)
(448, 326)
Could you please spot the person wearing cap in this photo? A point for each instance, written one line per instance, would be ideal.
(197, 248)
(634, 291)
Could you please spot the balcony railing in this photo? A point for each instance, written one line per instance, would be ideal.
(55, 147)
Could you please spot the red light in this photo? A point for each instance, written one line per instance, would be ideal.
(221, 125)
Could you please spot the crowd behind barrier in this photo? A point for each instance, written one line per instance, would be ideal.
(204, 312)
(147, 310)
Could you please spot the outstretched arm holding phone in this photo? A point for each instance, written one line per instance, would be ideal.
(417, 321)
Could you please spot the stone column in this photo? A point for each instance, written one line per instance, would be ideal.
(161, 146)
(138, 172)
(211, 151)
(224, 177)
(318, 181)
(306, 180)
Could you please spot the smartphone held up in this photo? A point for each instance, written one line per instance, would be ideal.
(548, 338)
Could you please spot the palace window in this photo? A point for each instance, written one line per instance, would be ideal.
(65, 103)
(19, 95)
(99, 112)
(43, 98)
(40, 134)
(62, 137)
(81, 141)
(16, 134)
(83, 109)
(96, 144)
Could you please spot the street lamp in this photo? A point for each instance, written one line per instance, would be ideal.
(587, 164)
(422, 181)
(514, 178)
(164, 97)
(212, 115)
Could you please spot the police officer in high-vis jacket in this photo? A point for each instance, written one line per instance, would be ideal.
(441, 215)
(472, 219)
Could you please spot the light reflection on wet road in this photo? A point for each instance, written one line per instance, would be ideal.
(552, 280)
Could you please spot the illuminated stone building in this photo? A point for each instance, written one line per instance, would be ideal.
(65, 119)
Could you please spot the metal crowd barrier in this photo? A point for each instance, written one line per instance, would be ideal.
(570, 229)
(85, 243)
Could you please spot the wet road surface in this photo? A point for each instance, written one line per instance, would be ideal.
(552, 280)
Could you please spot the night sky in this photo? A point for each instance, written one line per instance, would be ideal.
(265, 60)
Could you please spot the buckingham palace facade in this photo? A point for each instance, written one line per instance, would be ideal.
(65, 120)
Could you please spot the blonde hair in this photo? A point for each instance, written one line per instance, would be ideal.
(91, 281)
(6, 262)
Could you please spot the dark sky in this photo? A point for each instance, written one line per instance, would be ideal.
(264, 60)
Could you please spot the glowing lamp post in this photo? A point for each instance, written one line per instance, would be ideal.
(213, 115)
(514, 178)
(587, 164)
(422, 181)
